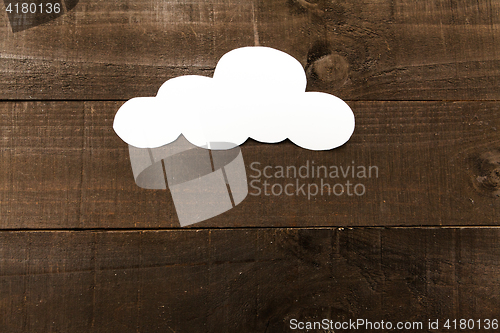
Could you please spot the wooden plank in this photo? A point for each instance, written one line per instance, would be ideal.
(64, 167)
(358, 50)
(250, 280)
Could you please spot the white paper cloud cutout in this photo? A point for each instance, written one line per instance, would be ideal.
(256, 92)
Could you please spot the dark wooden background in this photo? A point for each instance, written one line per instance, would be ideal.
(83, 249)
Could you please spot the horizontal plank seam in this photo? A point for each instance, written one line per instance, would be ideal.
(129, 230)
(345, 100)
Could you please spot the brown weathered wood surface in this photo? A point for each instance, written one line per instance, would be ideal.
(378, 50)
(245, 280)
(83, 249)
(64, 167)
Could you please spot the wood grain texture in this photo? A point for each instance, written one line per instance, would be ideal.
(84, 249)
(64, 167)
(247, 280)
(358, 50)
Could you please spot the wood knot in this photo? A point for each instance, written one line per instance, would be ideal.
(326, 69)
(486, 172)
(331, 69)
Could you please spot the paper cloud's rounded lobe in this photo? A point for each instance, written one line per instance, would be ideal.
(256, 92)
(261, 69)
(328, 117)
(142, 122)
